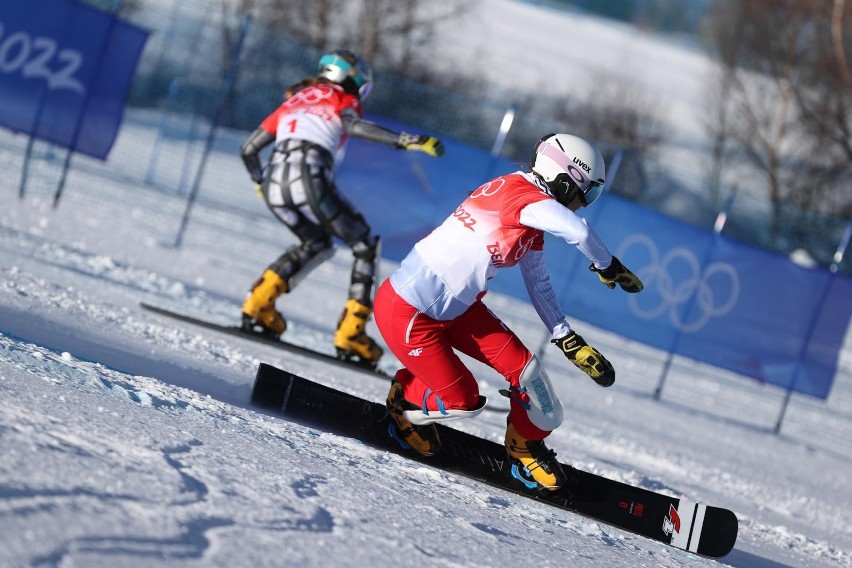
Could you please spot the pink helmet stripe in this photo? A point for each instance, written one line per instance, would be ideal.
(563, 161)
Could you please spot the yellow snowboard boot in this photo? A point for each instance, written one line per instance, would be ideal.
(533, 464)
(422, 439)
(259, 313)
(350, 340)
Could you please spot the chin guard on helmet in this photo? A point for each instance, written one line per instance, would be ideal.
(570, 167)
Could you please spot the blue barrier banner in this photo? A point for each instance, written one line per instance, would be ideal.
(65, 70)
(714, 300)
(706, 297)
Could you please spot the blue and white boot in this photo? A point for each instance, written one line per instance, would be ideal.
(532, 463)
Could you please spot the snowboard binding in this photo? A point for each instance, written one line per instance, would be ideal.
(354, 358)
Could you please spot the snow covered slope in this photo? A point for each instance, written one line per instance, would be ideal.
(128, 439)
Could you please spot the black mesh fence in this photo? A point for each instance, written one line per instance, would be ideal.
(194, 46)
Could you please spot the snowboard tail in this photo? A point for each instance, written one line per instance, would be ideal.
(687, 525)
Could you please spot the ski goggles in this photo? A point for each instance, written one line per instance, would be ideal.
(591, 193)
(587, 190)
(360, 72)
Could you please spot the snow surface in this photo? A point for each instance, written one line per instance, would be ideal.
(127, 439)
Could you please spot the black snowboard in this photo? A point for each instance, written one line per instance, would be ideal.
(267, 340)
(701, 529)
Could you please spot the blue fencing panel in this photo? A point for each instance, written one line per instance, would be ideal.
(826, 338)
(65, 70)
(744, 309)
(405, 195)
(738, 307)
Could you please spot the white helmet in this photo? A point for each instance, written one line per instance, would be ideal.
(347, 70)
(570, 167)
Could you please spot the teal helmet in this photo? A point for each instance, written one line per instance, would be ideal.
(351, 72)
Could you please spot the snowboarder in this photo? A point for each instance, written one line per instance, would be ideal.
(432, 305)
(310, 129)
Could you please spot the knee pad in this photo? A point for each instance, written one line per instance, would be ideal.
(545, 409)
(301, 259)
(367, 249)
(364, 273)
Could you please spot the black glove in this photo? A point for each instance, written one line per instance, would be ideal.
(616, 273)
(421, 143)
(588, 359)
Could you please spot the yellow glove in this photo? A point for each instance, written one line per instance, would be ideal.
(258, 187)
(586, 358)
(616, 273)
(421, 143)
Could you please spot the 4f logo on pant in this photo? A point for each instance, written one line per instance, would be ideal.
(416, 352)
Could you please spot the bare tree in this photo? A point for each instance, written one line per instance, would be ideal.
(614, 113)
(385, 32)
(763, 47)
(718, 126)
(726, 36)
(839, 15)
(824, 99)
(784, 105)
(310, 22)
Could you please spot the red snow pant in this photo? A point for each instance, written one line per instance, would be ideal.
(433, 369)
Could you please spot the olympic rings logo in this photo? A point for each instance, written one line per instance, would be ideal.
(489, 188)
(311, 96)
(682, 287)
